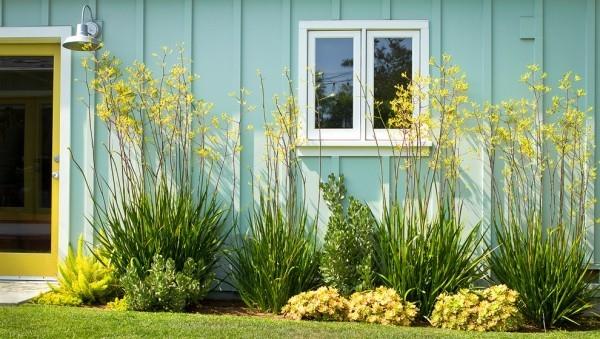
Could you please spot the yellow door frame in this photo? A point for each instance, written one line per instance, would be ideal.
(39, 264)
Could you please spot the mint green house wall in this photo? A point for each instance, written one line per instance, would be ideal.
(228, 40)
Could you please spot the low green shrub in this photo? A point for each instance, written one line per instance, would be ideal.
(323, 304)
(85, 278)
(57, 298)
(382, 305)
(346, 262)
(492, 309)
(548, 269)
(163, 288)
(276, 260)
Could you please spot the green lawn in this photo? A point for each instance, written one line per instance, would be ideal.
(72, 322)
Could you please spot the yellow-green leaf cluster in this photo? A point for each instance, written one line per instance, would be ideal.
(57, 298)
(323, 304)
(383, 306)
(491, 309)
(119, 304)
(84, 277)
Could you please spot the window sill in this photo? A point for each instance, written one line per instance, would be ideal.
(346, 148)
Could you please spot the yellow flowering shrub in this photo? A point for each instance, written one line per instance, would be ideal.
(323, 304)
(382, 305)
(492, 309)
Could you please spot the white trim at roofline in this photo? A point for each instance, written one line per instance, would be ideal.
(56, 34)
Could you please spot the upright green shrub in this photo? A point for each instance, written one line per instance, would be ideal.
(276, 257)
(346, 261)
(541, 201)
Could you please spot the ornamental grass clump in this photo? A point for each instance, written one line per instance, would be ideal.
(422, 247)
(542, 201)
(277, 256)
(383, 306)
(323, 304)
(493, 309)
(347, 253)
(160, 190)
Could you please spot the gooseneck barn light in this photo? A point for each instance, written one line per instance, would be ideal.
(86, 38)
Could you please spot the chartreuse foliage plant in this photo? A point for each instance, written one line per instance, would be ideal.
(277, 256)
(323, 304)
(383, 306)
(422, 248)
(542, 199)
(82, 279)
(162, 193)
(347, 258)
(493, 309)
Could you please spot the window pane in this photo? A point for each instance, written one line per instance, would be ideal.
(334, 77)
(392, 59)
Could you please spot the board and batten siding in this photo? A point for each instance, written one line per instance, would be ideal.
(228, 40)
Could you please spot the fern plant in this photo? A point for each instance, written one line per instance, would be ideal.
(346, 263)
(85, 277)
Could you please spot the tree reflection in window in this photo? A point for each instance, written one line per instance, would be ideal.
(334, 82)
(392, 58)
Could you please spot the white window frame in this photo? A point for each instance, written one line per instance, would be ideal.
(417, 29)
(334, 133)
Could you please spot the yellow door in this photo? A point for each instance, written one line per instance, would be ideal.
(29, 145)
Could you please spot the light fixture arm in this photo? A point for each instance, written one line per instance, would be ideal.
(83, 13)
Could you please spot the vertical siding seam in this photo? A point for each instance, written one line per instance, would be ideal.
(336, 9)
(188, 27)
(140, 26)
(436, 38)
(590, 76)
(45, 12)
(237, 71)
(487, 94)
(539, 33)
(89, 153)
(386, 9)
(286, 35)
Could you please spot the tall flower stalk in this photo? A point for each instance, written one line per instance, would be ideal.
(541, 200)
(159, 192)
(277, 256)
(422, 248)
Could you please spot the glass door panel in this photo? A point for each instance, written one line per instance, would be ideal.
(25, 153)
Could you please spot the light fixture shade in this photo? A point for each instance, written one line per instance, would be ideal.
(83, 40)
